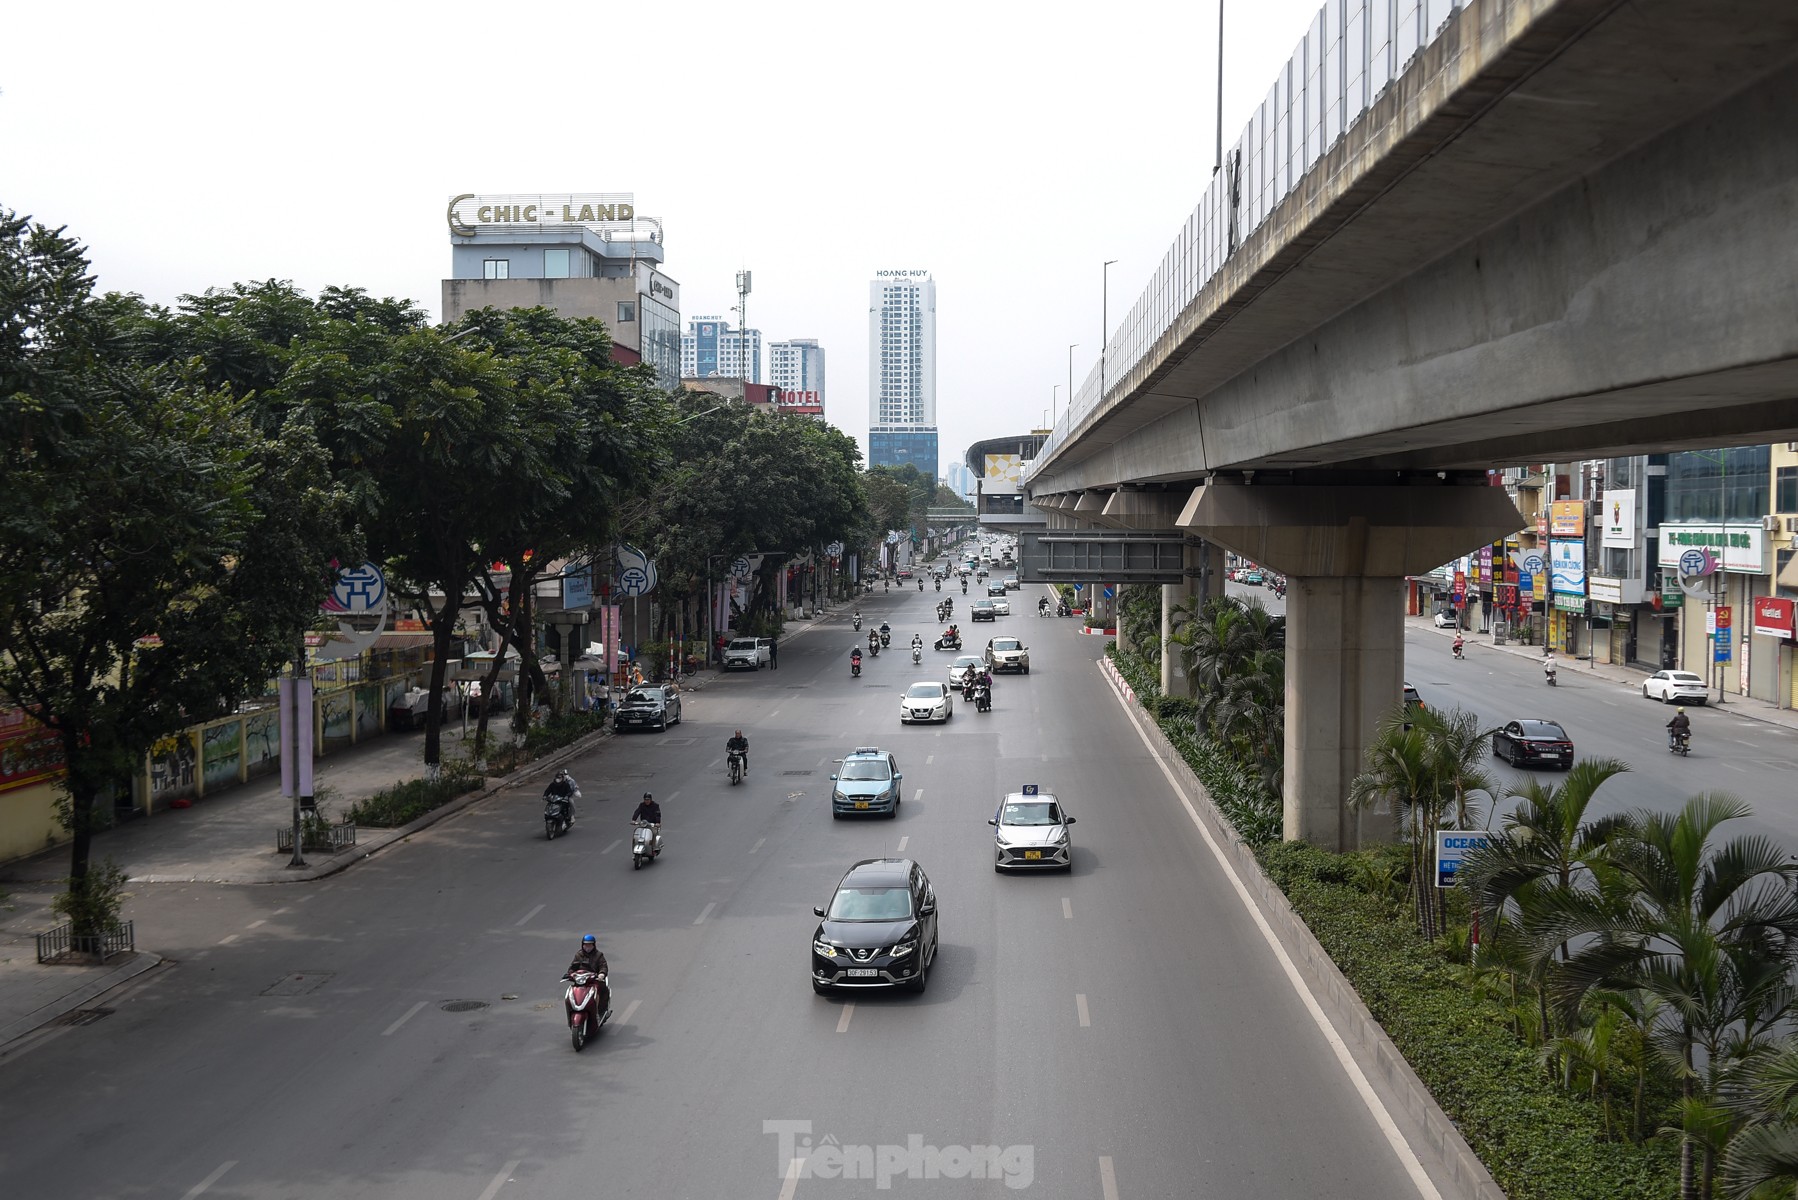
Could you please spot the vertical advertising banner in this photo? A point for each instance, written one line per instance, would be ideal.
(1618, 512)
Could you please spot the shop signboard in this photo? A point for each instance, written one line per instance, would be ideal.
(1600, 587)
(1723, 644)
(1567, 566)
(1567, 519)
(1618, 511)
(1741, 547)
(1569, 603)
(1773, 617)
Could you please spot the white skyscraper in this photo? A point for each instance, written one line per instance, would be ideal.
(711, 347)
(902, 370)
(797, 365)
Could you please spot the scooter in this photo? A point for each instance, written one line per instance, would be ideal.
(886, 638)
(948, 643)
(736, 767)
(964, 587)
(646, 844)
(858, 624)
(917, 655)
(855, 668)
(983, 699)
(873, 647)
(558, 813)
(1460, 650)
(1548, 675)
(939, 585)
(1679, 743)
(1042, 609)
(920, 585)
(584, 1002)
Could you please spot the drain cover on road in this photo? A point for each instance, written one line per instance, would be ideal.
(462, 1005)
(83, 1016)
(298, 983)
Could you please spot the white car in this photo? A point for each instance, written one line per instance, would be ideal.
(1675, 687)
(1031, 830)
(925, 702)
(963, 664)
(749, 652)
(1001, 606)
(1447, 620)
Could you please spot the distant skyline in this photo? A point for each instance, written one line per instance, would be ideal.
(200, 144)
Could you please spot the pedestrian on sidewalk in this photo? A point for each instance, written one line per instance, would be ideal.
(774, 654)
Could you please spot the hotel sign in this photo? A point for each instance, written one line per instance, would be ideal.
(470, 211)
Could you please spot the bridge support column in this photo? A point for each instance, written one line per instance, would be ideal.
(1345, 551)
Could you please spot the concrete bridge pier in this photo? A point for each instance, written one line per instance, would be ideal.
(1345, 550)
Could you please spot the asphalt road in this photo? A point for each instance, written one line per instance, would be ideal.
(1120, 1032)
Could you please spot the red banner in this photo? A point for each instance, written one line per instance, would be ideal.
(1773, 617)
(29, 753)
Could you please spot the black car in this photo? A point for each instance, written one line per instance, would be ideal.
(879, 929)
(983, 610)
(648, 708)
(1530, 743)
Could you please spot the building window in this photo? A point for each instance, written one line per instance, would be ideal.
(1786, 487)
(627, 311)
(497, 268)
(555, 264)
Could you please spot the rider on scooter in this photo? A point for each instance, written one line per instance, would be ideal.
(1680, 726)
(1460, 642)
(591, 959)
(738, 744)
(1548, 667)
(563, 788)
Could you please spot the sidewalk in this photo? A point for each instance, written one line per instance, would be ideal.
(1629, 678)
(230, 839)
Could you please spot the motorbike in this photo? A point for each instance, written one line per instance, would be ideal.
(646, 843)
(873, 647)
(886, 638)
(917, 655)
(855, 668)
(946, 642)
(1679, 743)
(736, 767)
(939, 585)
(964, 587)
(1042, 608)
(967, 690)
(920, 585)
(558, 813)
(983, 698)
(858, 624)
(1063, 609)
(1548, 675)
(1460, 650)
(585, 1004)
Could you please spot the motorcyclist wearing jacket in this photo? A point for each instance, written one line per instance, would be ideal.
(588, 959)
(1680, 726)
(738, 744)
(563, 788)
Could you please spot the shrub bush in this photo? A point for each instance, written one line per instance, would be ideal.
(1539, 1142)
(411, 799)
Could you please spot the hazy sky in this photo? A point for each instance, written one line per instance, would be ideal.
(1009, 148)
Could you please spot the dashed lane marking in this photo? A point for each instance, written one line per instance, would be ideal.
(499, 1181)
(843, 1021)
(200, 1187)
(630, 1010)
(613, 846)
(1086, 1019)
(1108, 1178)
(902, 842)
(228, 940)
(759, 843)
(410, 1013)
(530, 914)
(700, 919)
(1067, 908)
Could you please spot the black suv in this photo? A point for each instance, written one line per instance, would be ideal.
(879, 929)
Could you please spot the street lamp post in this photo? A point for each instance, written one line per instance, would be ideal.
(1218, 164)
(1054, 395)
(1104, 319)
(1071, 378)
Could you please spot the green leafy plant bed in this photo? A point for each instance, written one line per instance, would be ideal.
(1537, 1140)
(410, 800)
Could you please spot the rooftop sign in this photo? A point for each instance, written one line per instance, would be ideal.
(469, 211)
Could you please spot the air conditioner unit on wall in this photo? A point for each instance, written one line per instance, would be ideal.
(1770, 523)
(1792, 524)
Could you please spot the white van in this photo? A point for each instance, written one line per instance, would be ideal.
(749, 652)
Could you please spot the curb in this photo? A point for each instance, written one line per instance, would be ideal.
(141, 961)
(1443, 1149)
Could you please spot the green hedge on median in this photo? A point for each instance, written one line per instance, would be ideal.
(1539, 1142)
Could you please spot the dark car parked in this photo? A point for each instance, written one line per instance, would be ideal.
(1532, 743)
(879, 929)
(648, 708)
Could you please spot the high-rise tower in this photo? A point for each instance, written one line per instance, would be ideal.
(902, 370)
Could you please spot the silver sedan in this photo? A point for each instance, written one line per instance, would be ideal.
(1030, 830)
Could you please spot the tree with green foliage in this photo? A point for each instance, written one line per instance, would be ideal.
(162, 551)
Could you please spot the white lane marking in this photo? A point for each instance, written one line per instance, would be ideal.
(279, 911)
(902, 842)
(530, 914)
(410, 1013)
(1108, 1178)
(774, 714)
(843, 1021)
(630, 1010)
(759, 843)
(700, 919)
(792, 1180)
(929, 758)
(1733, 767)
(1067, 908)
(1086, 1019)
(673, 796)
(613, 846)
(253, 924)
(1407, 1157)
(207, 1182)
(227, 941)
(303, 899)
(917, 794)
(1741, 742)
(499, 1181)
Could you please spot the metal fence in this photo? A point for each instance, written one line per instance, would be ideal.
(1352, 51)
(62, 941)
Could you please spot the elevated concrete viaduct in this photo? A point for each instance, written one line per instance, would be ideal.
(1568, 228)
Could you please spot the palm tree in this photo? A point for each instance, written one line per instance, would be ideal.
(1400, 772)
(1762, 1159)
(1711, 930)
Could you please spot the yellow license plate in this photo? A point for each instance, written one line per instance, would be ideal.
(861, 804)
(1032, 854)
